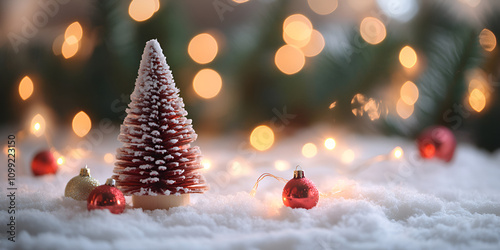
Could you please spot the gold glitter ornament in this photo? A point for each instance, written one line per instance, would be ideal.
(79, 187)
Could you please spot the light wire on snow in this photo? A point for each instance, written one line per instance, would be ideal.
(264, 175)
(261, 177)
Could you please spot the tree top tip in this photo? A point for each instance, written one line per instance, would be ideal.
(153, 43)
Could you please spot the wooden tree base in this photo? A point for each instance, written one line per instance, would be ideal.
(148, 202)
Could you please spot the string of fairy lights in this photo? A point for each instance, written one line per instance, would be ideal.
(301, 41)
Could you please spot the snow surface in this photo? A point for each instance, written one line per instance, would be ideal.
(397, 204)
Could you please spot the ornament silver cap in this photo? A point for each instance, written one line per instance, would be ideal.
(85, 171)
(298, 173)
(110, 182)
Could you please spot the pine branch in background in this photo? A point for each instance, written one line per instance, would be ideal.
(485, 129)
(253, 87)
(356, 68)
(119, 34)
(123, 40)
(172, 27)
(451, 49)
(249, 62)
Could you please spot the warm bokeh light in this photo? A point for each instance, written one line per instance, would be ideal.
(487, 40)
(289, 59)
(357, 104)
(408, 57)
(157, 5)
(330, 143)
(409, 93)
(206, 164)
(281, 165)
(478, 83)
(298, 30)
(25, 88)
(360, 6)
(38, 125)
(323, 7)
(109, 158)
(297, 27)
(73, 33)
(372, 30)
(60, 160)
(477, 100)
(72, 38)
(142, 10)
(347, 156)
(403, 109)
(372, 109)
(207, 83)
(262, 137)
(57, 45)
(274, 206)
(299, 44)
(240, 1)
(70, 47)
(315, 44)
(397, 152)
(236, 168)
(332, 105)
(79, 153)
(361, 105)
(81, 124)
(309, 150)
(203, 48)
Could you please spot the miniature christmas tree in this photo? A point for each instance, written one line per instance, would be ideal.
(156, 164)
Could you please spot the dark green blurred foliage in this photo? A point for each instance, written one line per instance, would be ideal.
(252, 85)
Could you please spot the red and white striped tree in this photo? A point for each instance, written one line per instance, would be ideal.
(156, 164)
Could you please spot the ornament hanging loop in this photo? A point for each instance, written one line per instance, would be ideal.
(298, 172)
(110, 182)
(85, 171)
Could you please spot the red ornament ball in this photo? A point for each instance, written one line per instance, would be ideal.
(437, 141)
(107, 196)
(44, 163)
(300, 192)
